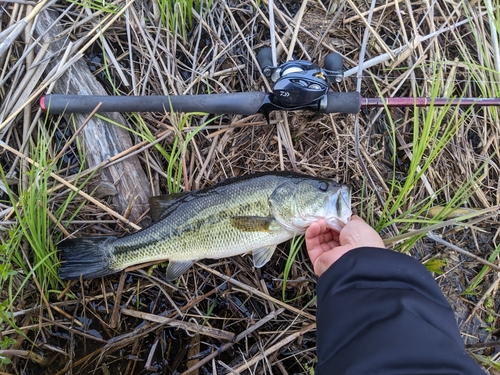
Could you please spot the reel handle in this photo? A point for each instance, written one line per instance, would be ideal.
(265, 60)
(333, 65)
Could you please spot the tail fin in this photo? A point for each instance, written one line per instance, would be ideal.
(86, 257)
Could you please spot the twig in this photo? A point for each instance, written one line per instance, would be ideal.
(338, 12)
(55, 220)
(196, 328)
(74, 188)
(110, 55)
(386, 56)
(494, 34)
(114, 321)
(357, 142)
(256, 292)
(8, 36)
(381, 7)
(42, 361)
(454, 221)
(78, 131)
(238, 338)
(298, 21)
(59, 71)
(240, 33)
(275, 347)
(272, 31)
(432, 236)
(285, 136)
(369, 27)
(493, 286)
(29, 81)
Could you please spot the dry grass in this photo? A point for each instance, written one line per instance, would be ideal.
(140, 324)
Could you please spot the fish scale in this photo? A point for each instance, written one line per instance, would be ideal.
(209, 234)
(241, 215)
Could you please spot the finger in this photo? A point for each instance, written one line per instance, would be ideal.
(315, 241)
(319, 233)
(315, 252)
(312, 235)
(319, 239)
(326, 259)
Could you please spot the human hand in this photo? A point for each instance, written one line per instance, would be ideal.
(325, 246)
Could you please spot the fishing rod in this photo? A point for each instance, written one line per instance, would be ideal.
(298, 85)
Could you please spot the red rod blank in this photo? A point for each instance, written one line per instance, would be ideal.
(426, 102)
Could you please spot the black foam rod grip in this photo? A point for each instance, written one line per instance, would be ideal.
(342, 102)
(244, 103)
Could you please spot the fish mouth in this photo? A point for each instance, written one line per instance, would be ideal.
(338, 209)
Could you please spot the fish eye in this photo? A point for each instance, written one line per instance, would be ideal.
(323, 186)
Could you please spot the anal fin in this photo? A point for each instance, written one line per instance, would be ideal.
(177, 268)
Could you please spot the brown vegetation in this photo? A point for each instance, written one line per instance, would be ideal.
(225, 315)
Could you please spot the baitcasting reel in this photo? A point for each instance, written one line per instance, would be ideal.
(300, 84)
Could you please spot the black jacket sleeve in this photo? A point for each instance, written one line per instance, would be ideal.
(381, 312)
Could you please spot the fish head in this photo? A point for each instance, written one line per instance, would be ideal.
(297, 205)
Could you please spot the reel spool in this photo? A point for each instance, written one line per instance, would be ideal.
(300, 83)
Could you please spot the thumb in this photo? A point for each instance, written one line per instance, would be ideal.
(357, 233)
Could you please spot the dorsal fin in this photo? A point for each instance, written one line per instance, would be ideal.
(160, 203)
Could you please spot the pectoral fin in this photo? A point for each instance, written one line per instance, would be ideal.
(252, 223)
(262, 256)
(175, 269)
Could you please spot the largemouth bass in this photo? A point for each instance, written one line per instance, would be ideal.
(241, 215)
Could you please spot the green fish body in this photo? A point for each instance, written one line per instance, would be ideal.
(241, 215)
